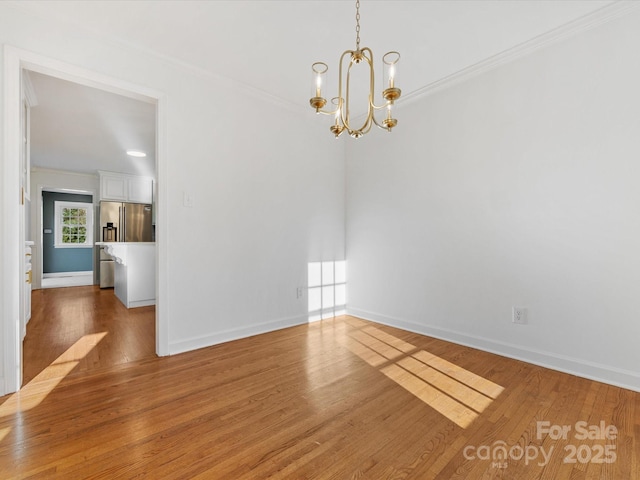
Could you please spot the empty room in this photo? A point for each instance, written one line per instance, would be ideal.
(320, 239)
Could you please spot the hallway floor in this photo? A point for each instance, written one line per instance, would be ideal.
(62, 316)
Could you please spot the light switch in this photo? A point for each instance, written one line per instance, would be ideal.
(187, 199)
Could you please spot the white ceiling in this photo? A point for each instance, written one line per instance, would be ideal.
(270, 44)
(83, 129)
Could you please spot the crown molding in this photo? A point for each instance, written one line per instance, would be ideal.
(168, 60)
(556, 35)
(53, 171)
(587, 22)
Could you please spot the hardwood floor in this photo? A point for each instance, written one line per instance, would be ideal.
(62, 316)
(337, 399)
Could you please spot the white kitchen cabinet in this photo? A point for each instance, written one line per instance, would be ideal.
(125, 188)
(135, 272)
(113, 187)
(140, 190)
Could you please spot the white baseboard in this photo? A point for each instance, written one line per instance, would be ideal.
(203, 341)
(581, 368)
(142, 303)
(3, 389)
(66, 279)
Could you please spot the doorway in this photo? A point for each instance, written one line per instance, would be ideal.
(16, 62)
(67, 239)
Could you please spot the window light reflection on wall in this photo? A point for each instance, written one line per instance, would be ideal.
(327, 289)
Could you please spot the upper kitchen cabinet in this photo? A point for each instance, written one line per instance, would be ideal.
(140, 190)
(125, 188)
(113, 186)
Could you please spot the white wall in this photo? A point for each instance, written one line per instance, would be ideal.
(266, 203)
(516, 188)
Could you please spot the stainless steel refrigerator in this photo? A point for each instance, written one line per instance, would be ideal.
(122, 222)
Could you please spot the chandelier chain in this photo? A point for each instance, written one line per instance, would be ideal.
(357, 24)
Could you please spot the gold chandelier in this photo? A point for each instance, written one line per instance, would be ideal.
(341, 103)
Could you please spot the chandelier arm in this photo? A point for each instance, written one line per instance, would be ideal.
(377, 124)
(342, 104)
(372, 84)
(345, 113)
(372, 75)
(383, 127)
(346, 117)
(325, 112)
(380, 107)
(369, 124)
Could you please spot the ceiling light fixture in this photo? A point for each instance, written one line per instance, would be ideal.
(136, 153)
(341, 103)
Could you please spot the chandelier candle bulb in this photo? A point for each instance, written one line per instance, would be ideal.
(335, 101)
(337, 128)
(389, 64)
(390, 71)
(319, 71)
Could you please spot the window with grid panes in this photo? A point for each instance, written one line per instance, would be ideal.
(73, 225)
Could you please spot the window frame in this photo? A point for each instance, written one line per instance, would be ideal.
(59, 206)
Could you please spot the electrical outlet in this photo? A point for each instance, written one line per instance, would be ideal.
(299, 292)
(519, 315)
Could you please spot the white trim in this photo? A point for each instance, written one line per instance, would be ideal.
(66, 274)
(10, 247)
(29, 92)
(67, 279)
(141, 303)
(58, 206)
(174, 62)
(72, 73)
(579, 25)
(162, 247)
(562, 363)
(204, 341)
(63, 172)
(15, 59)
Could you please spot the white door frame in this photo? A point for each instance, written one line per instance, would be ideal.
(11, 263)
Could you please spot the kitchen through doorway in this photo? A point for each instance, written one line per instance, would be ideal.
(63, 220)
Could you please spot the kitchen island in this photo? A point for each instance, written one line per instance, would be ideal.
(135, 272)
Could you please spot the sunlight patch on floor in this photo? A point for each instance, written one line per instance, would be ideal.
(32, 394)
(456, 393)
